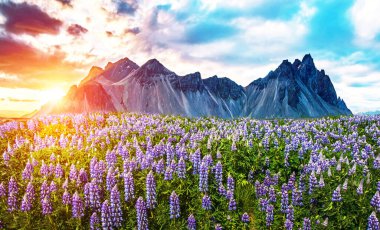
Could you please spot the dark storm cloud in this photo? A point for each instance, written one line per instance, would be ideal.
(30, 19)
(76, 30)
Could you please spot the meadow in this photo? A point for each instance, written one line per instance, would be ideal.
(133, 171)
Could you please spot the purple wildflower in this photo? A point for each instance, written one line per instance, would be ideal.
(203, 178)
(129, 187)
(306, 224)
(94, 221)
(116, 213)
(336, 197)
(206, 202)
(373, 222)
(218, 170)
(174, 206)
(106, 215)
(66, 198)
(191, 222)
(151, 196)
(181, 168)
(232, 204)
(269, 215)
(142, 220)
(77, 206)
(47, 207)
(245, 218)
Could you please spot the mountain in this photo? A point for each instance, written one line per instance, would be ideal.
(293, 90)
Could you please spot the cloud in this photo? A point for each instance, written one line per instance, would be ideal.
(25, 66)
(365, 18)
(209, 31)
(126, 6)
(76, 30)
(11, 99)
(29, 19)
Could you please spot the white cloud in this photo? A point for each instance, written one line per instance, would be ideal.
(365, 18)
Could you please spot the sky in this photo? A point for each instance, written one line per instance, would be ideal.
(47, 46)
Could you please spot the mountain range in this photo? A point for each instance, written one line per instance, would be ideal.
(293, 90)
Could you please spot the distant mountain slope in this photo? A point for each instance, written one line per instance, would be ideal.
(293, 90)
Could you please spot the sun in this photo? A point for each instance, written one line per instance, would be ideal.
(51, 95)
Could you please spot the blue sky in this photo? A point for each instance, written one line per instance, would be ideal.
(242, 40)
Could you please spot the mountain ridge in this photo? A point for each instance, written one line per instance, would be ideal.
(292, 90)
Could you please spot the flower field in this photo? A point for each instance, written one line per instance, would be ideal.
(130, 171)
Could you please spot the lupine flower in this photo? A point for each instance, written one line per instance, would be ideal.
(66, 198)
(218, 227)
(47, 208)
(12, 201)
(86, 193)
(3, 191)
(312, 182)
(191, 222)
(181, 168)
(28, 170)
(106, 215)
(129, 187)
(230, 183)
(77, 206)
(245, 218)
(321, 182)
(111, 179)
(269, 215)
(195, 159)
(218, 170)
(373, 222)
(272, 195)
(142, 220)
(206, 202)
(306, 224)
(45, 190)
(44, 171)
(53, 187)
(94, 222)
(232, 204)
(174, 206)
(160, 167)
(290, 213)
(222, 191)
(345, 183)
(116, 213)
(65, 184)
(336, 197)
(359, 190)
(288, 224)
(73, 173)
(203, 178)
(82, 177)
(375, 201)
(26, 204)
(58, 171)
(94, 195)
(284, 198)
(168, 173)
(151, 196)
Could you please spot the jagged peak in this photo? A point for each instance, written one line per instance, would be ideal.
(94, 72)
(308, 60)
(154, 66)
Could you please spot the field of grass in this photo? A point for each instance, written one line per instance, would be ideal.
(130, 171)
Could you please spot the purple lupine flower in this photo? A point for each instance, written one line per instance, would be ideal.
(86, 193)
(263, 204)
(45, 190)
(313, 182)
(269, 215)
(106, 215)
(284, 198)
(142, 220)
(93, 167)
(129, 187)
(306, 224)
(111, 179)
(203, 178)
(245, 218)
(53, 187)
(26, 203)
(94, 221)
(66, 198)
(65, 184)
(174, 206)
(272, 195)
(168, 173)
(47, 208)
(288, 224)
(160, 167)
(232, 204)
(12, 201)
(336, 197)
(206, 202)
(218, 170)
(191, 222)
(230, 183)
(58, 171)
(222, 190)
(151, 196)
(82, 177)
(229, 194)
(3, 191)
(95, 195)
(116, 213)
(375, 201)
(73, 173)
(44, 170)
(181, 168)
(28, 170)
(345, 185)
(77, 206)
(290, 213)
(359, 189)
(12, 186)
(373, 222)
